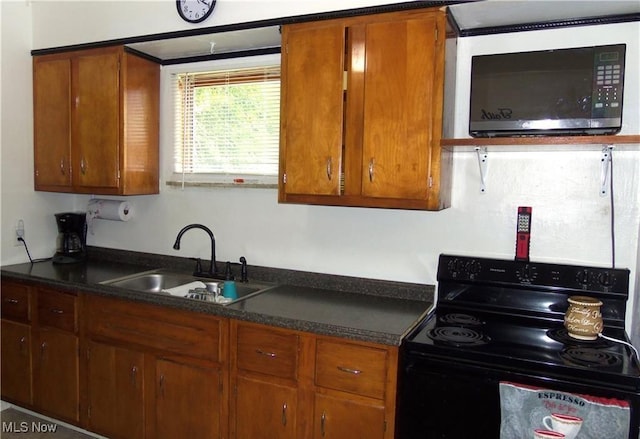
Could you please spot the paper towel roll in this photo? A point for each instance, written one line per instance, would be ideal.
(113, 210)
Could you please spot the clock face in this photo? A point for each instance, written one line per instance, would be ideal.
(195, 11)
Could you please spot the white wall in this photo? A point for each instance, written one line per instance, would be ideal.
(570, 219)
(18, 198)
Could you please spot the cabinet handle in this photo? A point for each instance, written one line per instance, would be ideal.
(371, 169)
(266, 354)
(83, 166)
(134, 376)
(323, 419)
(162, 385)
(23, 345)
(62, 166)
(349, 370)
(13, 301)
(56, 311)
(284, 414)
(43, 350)
(329, 168)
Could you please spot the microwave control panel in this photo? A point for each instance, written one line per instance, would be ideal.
(608, 77)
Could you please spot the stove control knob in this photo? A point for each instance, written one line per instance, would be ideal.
(606, 279)
(457, 267)
(474, 267)
(583, 277)
(527, 273)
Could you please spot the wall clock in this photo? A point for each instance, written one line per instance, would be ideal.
(195, 11)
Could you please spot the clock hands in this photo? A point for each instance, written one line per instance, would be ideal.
(194, 11)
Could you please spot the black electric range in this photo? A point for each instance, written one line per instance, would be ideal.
(499, 322)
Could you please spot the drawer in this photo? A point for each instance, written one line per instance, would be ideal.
(268, 351)
(16, 302)
(155, 328)
(57, 310)
(351, 368)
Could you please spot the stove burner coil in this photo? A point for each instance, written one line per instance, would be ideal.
(561, 335)
(458, 336)
(590, 357)
(460, 319)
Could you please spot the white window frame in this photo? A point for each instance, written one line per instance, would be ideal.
(167, 118)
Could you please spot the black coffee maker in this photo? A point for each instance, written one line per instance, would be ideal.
(71, 243)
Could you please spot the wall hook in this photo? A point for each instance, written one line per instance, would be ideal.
(483, 161)
(605, 169)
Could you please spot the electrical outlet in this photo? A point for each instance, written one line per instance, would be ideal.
(19, 233)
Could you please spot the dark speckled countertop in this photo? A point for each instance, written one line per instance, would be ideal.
(360, 309)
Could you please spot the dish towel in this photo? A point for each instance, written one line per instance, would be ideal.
(525, 409)
(182, 290)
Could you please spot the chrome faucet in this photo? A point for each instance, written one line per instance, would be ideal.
(213, 270)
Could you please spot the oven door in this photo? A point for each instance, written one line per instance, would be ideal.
(443, 398)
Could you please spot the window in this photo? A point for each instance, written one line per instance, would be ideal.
(227, 123)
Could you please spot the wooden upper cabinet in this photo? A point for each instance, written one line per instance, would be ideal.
(398, 114)
(95, 81)
(52, 113)
(96, 121)
(362, 102)
(312, 92)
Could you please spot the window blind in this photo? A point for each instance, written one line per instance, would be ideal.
(227, 122)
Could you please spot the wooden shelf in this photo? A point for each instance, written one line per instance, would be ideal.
(543, 140)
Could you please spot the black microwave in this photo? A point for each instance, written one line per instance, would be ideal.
(575, 91)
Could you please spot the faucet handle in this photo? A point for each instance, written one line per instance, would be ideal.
(243, 270)
(228, 274)
(198, 269)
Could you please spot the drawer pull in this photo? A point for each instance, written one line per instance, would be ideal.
(11, 300)
(349, 370)
(266, 354)
(56, 311)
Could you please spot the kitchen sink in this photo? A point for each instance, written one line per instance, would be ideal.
(165, 282)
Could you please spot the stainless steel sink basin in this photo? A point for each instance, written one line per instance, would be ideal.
(160, 281)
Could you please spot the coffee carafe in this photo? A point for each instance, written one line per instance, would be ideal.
(71, 240)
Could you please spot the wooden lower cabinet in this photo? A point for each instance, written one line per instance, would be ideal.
(264, 410)
(16, 362)
(188, 401)
(343, 418)
(130, 370)
(15, 340)
(292, 384)
(154, 372)
(115, 386)
(56, 374)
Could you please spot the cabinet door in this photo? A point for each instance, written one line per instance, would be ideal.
(313, 71)
(51, 123)
(16, 362)
(55, 378)
(337, 418)
(188, 401)
(96, 117)
(398, 107)
(264, 410)
(115, 391)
